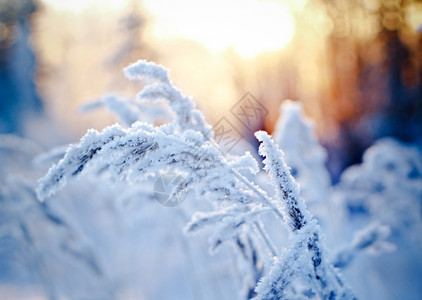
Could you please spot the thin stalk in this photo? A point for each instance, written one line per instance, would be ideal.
(264, 198)
(265, 238)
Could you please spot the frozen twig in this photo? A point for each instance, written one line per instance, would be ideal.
(306, 261)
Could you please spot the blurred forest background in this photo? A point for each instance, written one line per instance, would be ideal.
(356, 65)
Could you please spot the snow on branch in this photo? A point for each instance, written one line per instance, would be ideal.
(148, 71)
(305, 264)
(294, 210)
(142, 150)
(160, 87)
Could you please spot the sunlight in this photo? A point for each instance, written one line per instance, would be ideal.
(80, 5)
(248, 27)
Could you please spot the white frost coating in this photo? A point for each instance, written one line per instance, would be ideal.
(304, 264)
(75, 160)
(143, 149)
(294, 134)
(292, 206)
(160, 87)
(150, 71)
(245, 162)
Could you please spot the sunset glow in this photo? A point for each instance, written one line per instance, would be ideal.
(248, 27)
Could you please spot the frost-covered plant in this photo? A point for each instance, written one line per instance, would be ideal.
(303, 270)
(185, 146)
